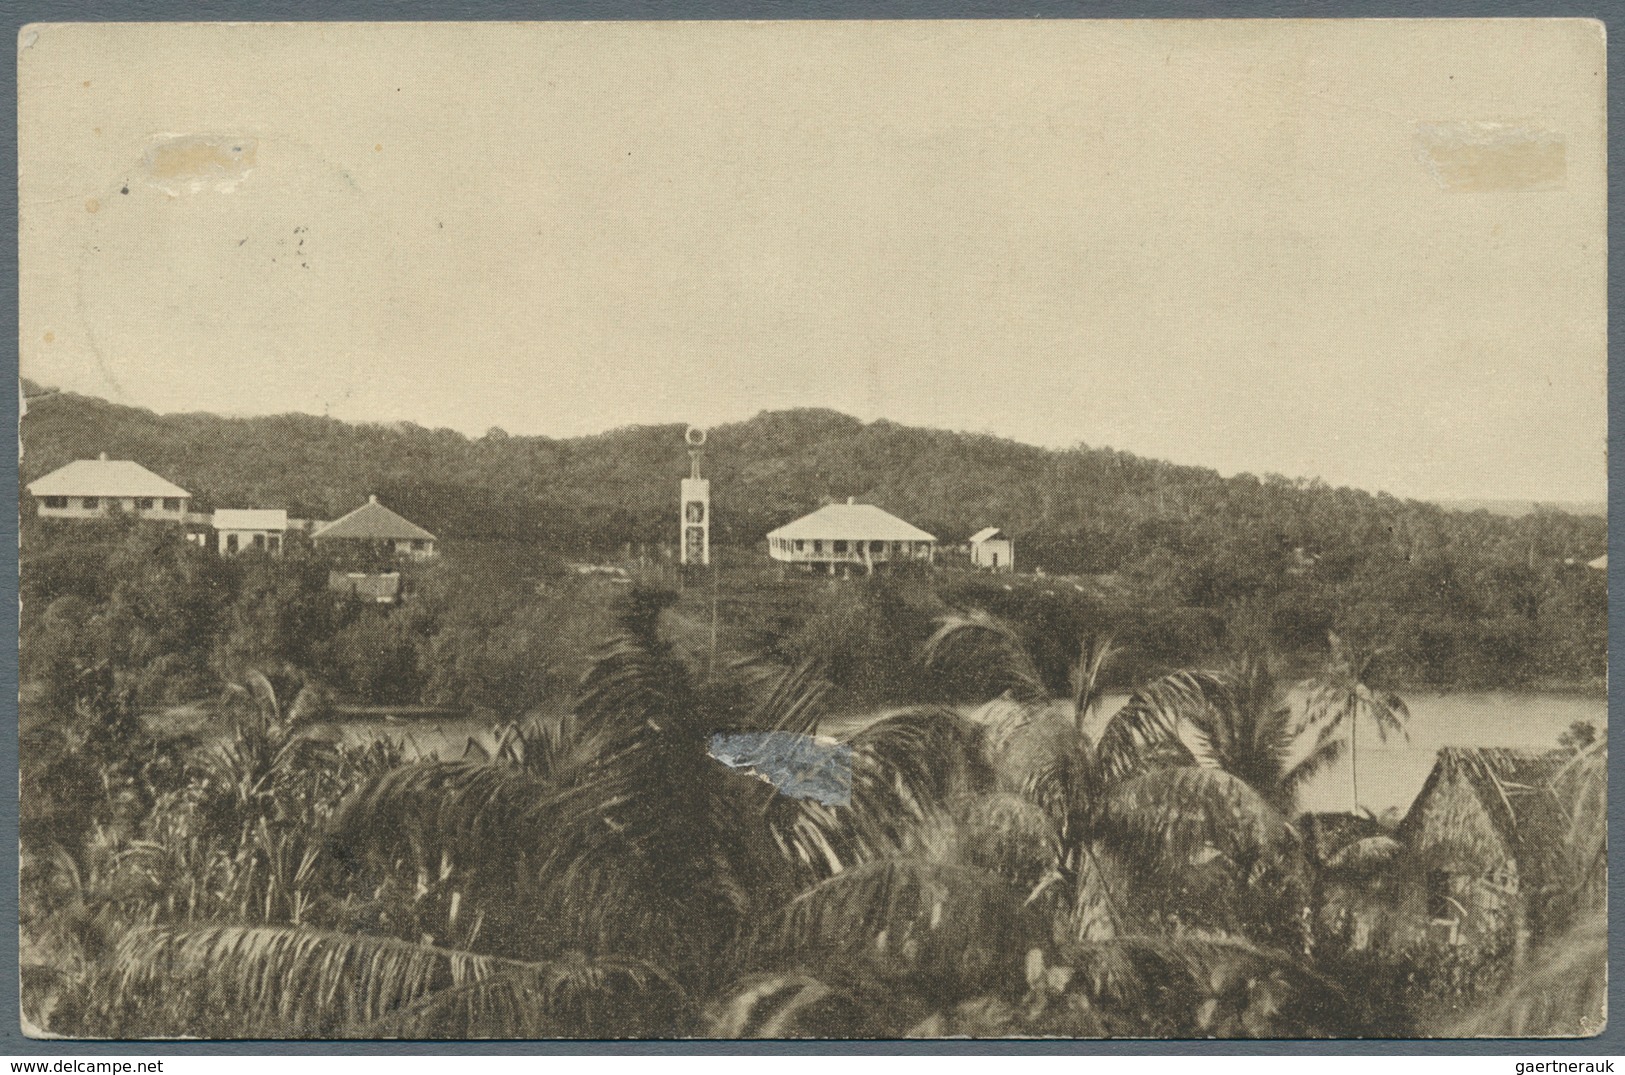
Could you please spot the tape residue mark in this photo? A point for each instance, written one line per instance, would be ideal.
(1481, 157)
(193, 163)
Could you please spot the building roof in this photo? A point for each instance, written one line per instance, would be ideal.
(1514, 789)
(250, 519)
(986, 535)
(850, 522)
(372, 522)
(1600, 563)
(104, 477)
(382, 587)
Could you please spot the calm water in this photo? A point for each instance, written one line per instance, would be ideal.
(1391, 773)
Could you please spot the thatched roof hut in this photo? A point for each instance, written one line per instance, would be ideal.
(1489, 830)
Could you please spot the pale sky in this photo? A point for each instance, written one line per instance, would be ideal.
(1372, 253)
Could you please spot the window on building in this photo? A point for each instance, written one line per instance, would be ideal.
(259, 541)
(877, 546)
(840, 546)
(419, 545)
(91, 503)
(231, 542)
(818, 545)
(172, 503)
(56, 501)
(143, 502)
(801, 545)
(274, 543)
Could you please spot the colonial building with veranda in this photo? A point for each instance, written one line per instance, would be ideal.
(840, 537)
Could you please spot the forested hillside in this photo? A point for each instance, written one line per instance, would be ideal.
(1461, 597)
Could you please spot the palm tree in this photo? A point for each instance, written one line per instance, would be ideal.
(608, 877)
(1340, 698)
(1140, 796)
(1240, 720)
(975, 636)
(601, 879)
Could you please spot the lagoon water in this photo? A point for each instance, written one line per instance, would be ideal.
(1391, 773)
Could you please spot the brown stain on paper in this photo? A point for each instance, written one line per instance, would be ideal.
(1484, 157)
(194, 162)
(198, 158)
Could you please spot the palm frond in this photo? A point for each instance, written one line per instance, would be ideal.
(777, 697)
(906, 769)
(1562, 993)
(1205, 985)
(931, 753)
(795, 1005)
(1004, 834)
(1342, 695)
(1103, 904)
(1174, 817)
(1580, 788)
(571, 997)
(544, 745)
(635, 684)
(990, 644)
(1152, 727)
(1322, 754)
(931, 927)
(240, 981)
(427, 810)
(1084, 677)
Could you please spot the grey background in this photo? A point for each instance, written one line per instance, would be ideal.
(13, 1042)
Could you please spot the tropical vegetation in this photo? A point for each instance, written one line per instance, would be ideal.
(1039, 864)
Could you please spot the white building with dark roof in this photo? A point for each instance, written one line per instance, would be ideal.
(98, 488)
(241, 529)
(850, 535)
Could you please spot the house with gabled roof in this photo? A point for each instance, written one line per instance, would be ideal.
(992, 550)
(373, 525)
(103, 487)
(840, 537)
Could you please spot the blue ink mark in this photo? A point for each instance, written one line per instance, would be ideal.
(801, 766)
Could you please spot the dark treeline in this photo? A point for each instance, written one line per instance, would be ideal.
(167, 621)
(1459, 598)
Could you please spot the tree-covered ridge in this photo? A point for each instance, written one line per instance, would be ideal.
(764, 470)
(1460, 597)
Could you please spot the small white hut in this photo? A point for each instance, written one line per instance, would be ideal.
(240, 529)
(992, 550)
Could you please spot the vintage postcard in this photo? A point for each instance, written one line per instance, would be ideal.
(849, 530)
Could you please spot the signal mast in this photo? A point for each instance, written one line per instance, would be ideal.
(694, 536)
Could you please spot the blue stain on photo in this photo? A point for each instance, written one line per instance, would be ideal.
(802, 766)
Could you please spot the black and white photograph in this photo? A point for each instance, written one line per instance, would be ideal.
(834, 530)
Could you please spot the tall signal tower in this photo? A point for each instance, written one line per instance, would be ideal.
(695, 519)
